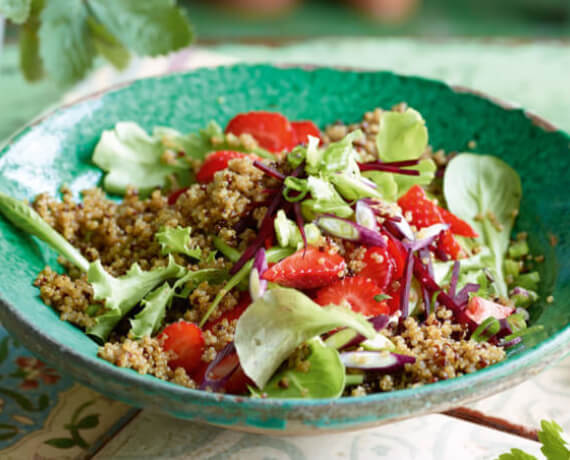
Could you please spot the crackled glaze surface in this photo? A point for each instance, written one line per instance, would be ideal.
(57, 149)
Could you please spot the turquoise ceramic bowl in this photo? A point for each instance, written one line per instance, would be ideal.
(56, 150)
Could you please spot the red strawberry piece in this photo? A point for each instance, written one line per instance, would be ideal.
(272, 131)
(358, 292)
(425, 213)
(303, 129)
(394, 300)
(173, 197)
(479, 309)
(307, 269)
(186, 340)
(232, 314)
(457, 226)
(399, 255)
(379, 266)
(214, 162)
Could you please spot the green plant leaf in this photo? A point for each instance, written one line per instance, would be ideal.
(65, 48)
(554, 447)
(324, 378)
(89, 421)
(60, 443)
(516, 454)
(177, 241)
(107, 45)
(149, 27)
(281, 320)
(486, 192)
(15, 10)
(30, 62)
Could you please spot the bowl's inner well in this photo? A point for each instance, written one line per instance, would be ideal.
(57, 151)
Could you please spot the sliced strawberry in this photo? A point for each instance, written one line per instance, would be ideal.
(186, 340)
(425, 213)
(379, 266)
(399, 255)
(306, 269)
(232, 314)
(272, 131)
(358, 291)
(394, 300)
(303, 129)
(214, 162)
(479, 309)
(173, 197)
(457, 226)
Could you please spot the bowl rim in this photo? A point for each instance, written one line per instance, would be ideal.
(548, 350)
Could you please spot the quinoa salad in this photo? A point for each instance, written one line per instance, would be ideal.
(273, 259)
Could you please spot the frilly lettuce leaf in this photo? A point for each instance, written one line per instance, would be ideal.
(486, 192)
(149, 319)
(177, 240)
(325, 377)
(277, 323)
(120, 295)
(130, 156)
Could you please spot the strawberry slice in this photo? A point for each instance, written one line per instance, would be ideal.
(379, 266)
(457, 226)
(358, 292)
(479, 309)
(303, 129)
(272, 131)
(307, 269)
(186, 340)
(214, 162)
(425, 213)
(399, 255)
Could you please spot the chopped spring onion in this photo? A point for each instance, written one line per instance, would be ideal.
(487, 329)
(348, 230)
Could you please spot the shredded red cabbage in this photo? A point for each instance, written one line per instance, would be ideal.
(376, 361)
(429, 283)
(217, 374)
(387, 168)
(405, 295)
(269, 170)
(454, 278)
(257, 285)
(462, 297)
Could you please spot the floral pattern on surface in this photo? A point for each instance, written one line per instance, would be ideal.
(32, 371)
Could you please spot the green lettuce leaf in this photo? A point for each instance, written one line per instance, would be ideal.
(554, 447)
(486, 192)
(277, 323)
(120, 295)
(401, 136)
(352, 188)
(324, 378)
(107, 45)
(516, 454)
(24, 217)
(177, 240)
(149, 319)
(131, 157)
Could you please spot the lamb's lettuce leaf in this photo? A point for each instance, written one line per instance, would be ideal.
(281, 320)
(486, 192)
(121, 294)
(324, 377)
(385, 182)
(177, 240)
(401, 136)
